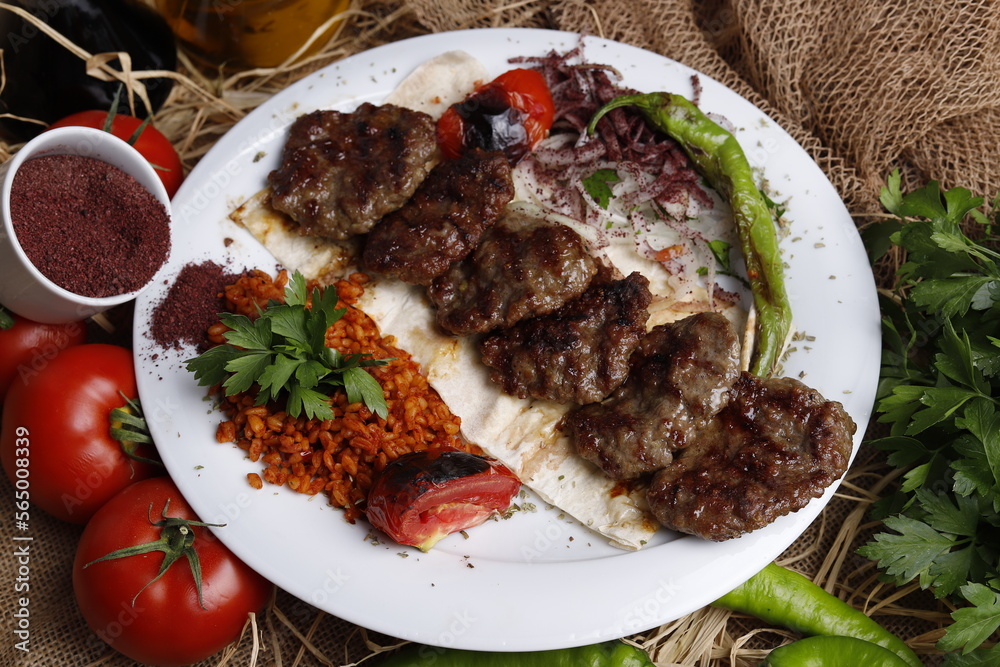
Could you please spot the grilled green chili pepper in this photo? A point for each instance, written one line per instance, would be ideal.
(718, 157)
(832, 652)
(605, 654)
(783, 597)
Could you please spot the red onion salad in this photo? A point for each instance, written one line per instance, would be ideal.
(627, 182)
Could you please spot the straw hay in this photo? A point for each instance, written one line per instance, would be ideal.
(204, 104)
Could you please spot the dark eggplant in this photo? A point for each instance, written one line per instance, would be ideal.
(46, 82)
(422, 497)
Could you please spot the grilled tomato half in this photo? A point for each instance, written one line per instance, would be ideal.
(422, 497)
(512, 114)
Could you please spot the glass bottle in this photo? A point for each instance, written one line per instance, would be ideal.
(240, 34)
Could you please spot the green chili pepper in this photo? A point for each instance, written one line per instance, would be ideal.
(832, 652)
(718, 157)
(605, 654)
(783, 597)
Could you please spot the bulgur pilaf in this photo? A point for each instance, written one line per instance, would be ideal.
(341, 456)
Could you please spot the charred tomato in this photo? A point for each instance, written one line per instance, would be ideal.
(422, 497)
(512, 114)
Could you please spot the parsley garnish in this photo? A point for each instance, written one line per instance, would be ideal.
(597, 185)
(6, 319)
(284, 352)
(777, 209)
(940, 377)
(720, 250)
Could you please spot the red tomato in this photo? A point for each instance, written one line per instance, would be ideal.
(512, 113)
(162, 623)
(424, 496)
(56, 425)
(151, 144)
(28, 346)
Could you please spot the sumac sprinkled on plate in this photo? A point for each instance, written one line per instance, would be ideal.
(191, 305)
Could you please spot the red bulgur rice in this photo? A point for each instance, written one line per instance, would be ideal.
(341, 456)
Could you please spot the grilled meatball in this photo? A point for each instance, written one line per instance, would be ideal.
(776, 445)
(341, 172)
(444, 220)
(523, 267)
(679, 379)
(578, 353)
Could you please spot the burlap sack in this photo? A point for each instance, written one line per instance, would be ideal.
(865, 87)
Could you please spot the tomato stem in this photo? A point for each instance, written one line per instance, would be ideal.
(110, 119)
(113, 111)
(176, 540)
(138, 131)
(129, 427)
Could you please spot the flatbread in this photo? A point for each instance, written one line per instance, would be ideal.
(521, 433)
(315, 258)
(439, 82)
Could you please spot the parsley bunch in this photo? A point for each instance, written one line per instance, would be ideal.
(939, 389)
(283, 351)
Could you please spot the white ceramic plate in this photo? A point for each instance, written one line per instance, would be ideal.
(537, 580)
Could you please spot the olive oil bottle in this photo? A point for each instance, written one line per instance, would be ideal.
(241, 34)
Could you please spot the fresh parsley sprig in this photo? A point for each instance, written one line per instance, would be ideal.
(598, 185)
(939, 389)
(284, 352)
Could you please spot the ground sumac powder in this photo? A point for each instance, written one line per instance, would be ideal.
(88, 226)
(191, 306)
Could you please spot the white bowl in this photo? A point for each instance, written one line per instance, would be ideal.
(23, 288)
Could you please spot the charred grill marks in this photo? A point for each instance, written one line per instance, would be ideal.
(578, 353)
(728, 452)
(443, 221)
(341, 172)
(524, 266)
(679, 378)
(775, 446)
